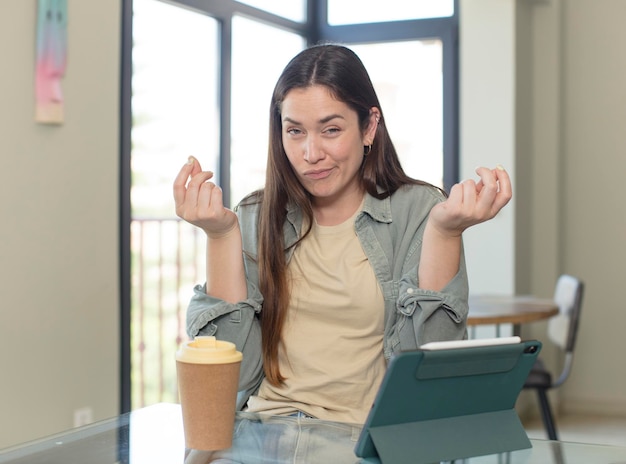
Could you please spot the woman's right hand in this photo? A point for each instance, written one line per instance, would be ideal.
(200, 202)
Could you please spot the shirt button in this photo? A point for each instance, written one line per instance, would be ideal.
(409, 291)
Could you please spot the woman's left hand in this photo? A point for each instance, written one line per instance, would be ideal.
(471, 202)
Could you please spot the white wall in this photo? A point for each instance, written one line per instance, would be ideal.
(59, 185)
(487, 132)
(594, 212)
(560, 105)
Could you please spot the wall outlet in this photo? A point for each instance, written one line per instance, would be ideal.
(83, 416)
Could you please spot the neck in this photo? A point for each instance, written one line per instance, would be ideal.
(336, 212)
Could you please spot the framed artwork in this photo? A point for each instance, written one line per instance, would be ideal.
(51, 60)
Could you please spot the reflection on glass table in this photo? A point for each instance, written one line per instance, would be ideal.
(155, 435)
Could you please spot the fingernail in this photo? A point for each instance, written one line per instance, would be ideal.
(499, 167)
(190, 160)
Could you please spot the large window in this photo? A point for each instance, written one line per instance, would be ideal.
(198, 78)
(257, 63)
(411, 94)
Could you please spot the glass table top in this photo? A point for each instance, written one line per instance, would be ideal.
(155, 435)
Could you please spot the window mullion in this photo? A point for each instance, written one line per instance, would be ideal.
(225, 89)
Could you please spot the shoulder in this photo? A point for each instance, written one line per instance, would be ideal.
(416, 196)
(406, 207)
(248, 212)
(411, 205)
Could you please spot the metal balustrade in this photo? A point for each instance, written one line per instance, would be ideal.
(168, 259)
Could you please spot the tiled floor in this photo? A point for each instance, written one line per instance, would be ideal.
(583, 429)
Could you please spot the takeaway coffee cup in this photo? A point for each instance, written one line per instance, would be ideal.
(208, 376)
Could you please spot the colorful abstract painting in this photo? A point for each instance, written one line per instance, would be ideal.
(51, 60)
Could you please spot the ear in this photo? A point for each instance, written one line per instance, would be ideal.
(370, 131)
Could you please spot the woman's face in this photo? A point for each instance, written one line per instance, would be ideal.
(324, 143)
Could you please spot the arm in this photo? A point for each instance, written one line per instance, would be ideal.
(228, 305)
(440, 258)
(469, 203)
(225, 275)
(200, 203)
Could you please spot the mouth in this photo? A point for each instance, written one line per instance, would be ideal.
(318, 174)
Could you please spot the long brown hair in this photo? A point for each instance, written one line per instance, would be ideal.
(342, 72)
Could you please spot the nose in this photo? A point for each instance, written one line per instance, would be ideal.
(312, 150)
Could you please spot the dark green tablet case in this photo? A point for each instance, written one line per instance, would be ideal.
(448, 404)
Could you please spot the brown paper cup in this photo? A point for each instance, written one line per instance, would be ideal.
(208, 397)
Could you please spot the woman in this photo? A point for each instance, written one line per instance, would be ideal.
(341, 260)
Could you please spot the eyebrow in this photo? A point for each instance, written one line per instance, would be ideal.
(324, 120)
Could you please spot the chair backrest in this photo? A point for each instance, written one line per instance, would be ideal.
(563, 328)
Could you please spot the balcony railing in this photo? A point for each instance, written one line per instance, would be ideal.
(168, 259)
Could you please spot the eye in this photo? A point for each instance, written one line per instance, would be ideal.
(293, 131)
(332, 131)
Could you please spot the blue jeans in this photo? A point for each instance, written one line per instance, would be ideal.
(266, 439)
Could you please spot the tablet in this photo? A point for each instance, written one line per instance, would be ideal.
(451, 402)
(469, 343)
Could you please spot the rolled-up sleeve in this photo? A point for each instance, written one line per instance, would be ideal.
(234, 322)
(204, 310)
(425, 315)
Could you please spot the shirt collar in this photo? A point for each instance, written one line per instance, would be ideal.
(379, 210)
